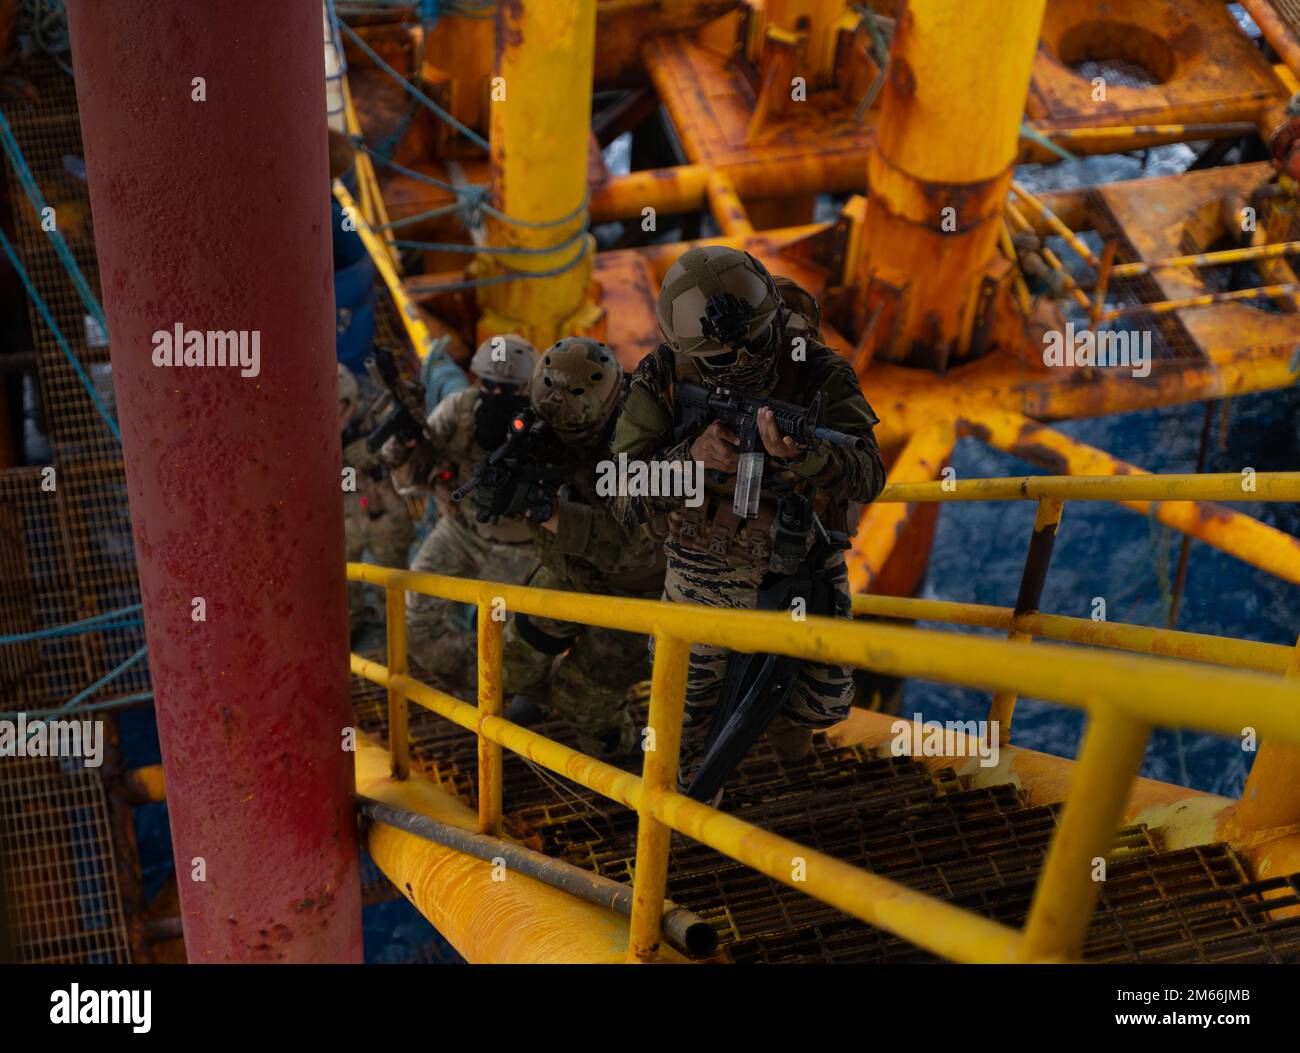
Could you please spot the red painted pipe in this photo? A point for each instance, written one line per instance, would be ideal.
(214, 216)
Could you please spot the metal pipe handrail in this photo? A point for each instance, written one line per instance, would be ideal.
(1224, 486)
(1122, 636)
(1124, 695)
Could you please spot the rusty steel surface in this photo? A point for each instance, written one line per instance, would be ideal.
(222, 468)
(1165, 62)
(980, 848)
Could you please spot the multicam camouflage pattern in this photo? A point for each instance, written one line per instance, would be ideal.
(589, 551)
(436, 639)
(376, 520)
(507, 359)
(451, 426)
(587, 685)
(576, 386)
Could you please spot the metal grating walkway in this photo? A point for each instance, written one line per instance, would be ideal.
(980, 849)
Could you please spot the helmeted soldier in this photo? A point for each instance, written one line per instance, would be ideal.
(581, 672)
(375, 518)
(465, 427)
(728, 324)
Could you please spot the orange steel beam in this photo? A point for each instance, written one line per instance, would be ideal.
(1239, 535)
(920, 461)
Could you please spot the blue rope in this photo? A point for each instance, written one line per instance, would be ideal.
(478, 283)
(60, 631)
(91, 624)
(419, 217)
(1032, 134)
(62, 341)
(412, 90)
(493, 250)
(473, 195)
(72, 704)
(33, 191)
(111, 675)
(94, 707)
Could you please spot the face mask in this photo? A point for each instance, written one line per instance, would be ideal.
(750, 369)
(497, 407)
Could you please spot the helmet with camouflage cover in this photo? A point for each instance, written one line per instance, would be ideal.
(576, 386)
(718, 305)
(508, 359)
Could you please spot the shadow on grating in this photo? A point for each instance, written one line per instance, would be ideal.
(980, 849)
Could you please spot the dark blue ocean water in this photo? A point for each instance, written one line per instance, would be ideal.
(1107, 551)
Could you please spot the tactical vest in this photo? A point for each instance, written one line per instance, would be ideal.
(713, 527)
(505, 531)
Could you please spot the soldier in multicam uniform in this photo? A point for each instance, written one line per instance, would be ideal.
(375, 518)
(583, 673)
(728, 323)
(465, 427)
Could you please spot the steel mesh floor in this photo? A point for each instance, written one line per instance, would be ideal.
(1171, 344)
(71, 555)
(60, 874)
(980, 849)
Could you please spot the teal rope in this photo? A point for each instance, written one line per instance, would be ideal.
(20, 166)
(472, 194)
(411, 89)
(1027, 132)
(75, 701)
(92, 624)
(492, 250)
(108, 677)
(94, 707)
(419, 217)
(62, 341)
(550, 272)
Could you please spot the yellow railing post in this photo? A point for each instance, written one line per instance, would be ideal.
(662, 742)
(1070, 881)
(1047, 521)
(399, 740)
(1271, 797)
(490, 704)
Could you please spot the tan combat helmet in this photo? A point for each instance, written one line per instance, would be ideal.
(717, 303)
(349, 389)
(508, 360)
(576, 386)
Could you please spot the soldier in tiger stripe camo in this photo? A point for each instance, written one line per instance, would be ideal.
(728, 324)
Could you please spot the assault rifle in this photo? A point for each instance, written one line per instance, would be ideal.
(739, 412)
(400, 412)
(516, 479)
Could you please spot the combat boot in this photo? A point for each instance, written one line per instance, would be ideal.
(790, 741)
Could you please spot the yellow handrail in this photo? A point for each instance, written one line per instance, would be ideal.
(1226, 486)
(1125, 696)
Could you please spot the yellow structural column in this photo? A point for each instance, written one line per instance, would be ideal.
(540, 98)
(1272, 795)
(939, 172)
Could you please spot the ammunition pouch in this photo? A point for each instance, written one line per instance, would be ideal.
(538, 639)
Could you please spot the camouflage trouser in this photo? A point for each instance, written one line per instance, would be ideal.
(387, 538)
(434, 635)
(587, 685)
(822, 693)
